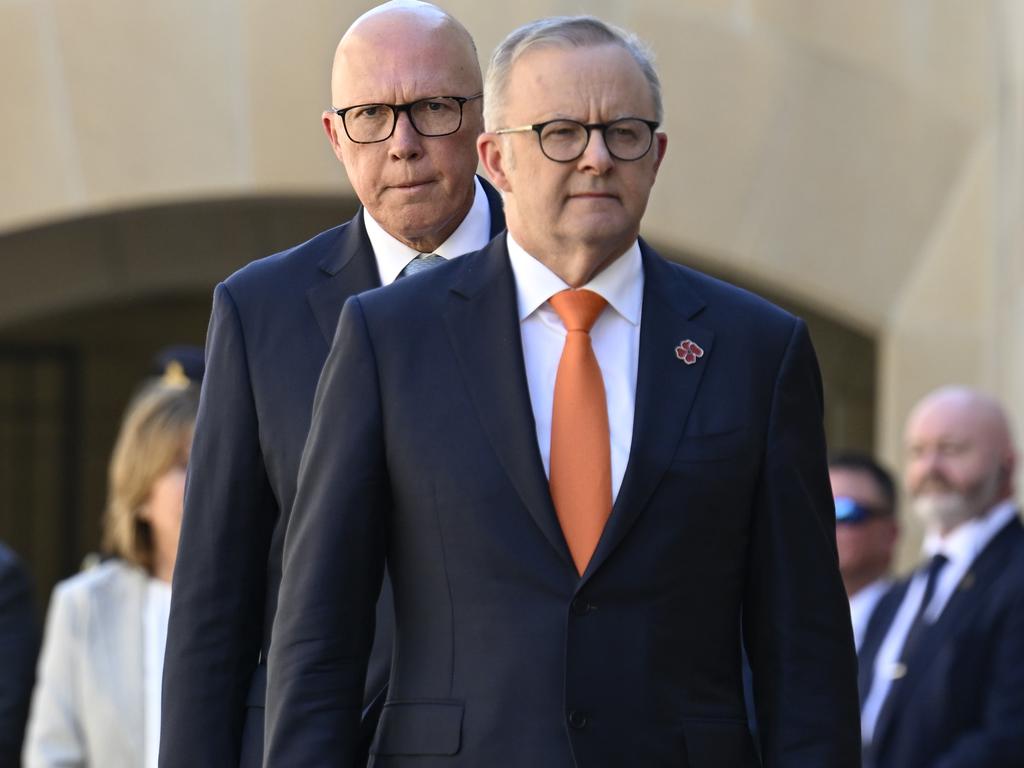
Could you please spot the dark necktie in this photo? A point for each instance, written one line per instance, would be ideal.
(919, 624)
(422, 263)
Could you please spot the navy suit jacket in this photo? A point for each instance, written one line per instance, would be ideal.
(19, 643)
(269, 335)
(504, 655)
(961, 702)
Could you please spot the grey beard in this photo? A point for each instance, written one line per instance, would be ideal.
(946, 511)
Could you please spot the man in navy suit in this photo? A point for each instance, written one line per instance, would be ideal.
(595, 621)
(947, 682)
(406, 112)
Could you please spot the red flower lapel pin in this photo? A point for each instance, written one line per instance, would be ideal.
(689, 351)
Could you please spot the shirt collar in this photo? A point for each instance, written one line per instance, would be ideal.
(621, 283)
(967, 541)
(393, 255)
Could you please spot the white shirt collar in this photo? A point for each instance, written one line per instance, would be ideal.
(393, 255)
(621, 283)
(966, 542)
(863, 604)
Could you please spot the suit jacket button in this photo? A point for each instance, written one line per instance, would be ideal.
(580, 607)
(577, 719)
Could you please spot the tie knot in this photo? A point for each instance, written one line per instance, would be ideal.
(937, 563)
(578, 310)
(422, 263)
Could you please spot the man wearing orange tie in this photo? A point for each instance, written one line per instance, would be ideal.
(587, 470)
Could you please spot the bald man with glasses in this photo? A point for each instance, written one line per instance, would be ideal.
(404, 119)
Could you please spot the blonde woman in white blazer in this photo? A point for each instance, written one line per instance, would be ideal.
(97, 695)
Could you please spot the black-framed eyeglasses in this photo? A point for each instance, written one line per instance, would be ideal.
(628, 138)
(371, 123)
(851, 512)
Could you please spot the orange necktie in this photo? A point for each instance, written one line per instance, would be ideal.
(581, 465)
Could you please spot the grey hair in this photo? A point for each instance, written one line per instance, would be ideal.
(565, 32)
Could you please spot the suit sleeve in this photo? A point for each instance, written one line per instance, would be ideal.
(796, 617)
(217, 602)
(998, 740)
(54, 736)
(333, 564)
(17, 655)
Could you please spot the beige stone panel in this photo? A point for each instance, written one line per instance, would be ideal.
(287, 52)
(155, 99)
(852, 178)
(38, 156)
(941, 50)
(942, 327)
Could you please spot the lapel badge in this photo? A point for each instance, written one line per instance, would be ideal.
(967, 582)
(897, 671)
(689, 351)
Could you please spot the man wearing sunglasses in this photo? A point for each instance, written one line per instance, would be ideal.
(866, 535)
(404, 117)
(581, 465)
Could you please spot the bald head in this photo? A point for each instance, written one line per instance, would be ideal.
(960, 457)
(397, 65)
(403, 38)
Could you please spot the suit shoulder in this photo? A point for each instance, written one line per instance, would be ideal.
(293, 267)
(754, 308)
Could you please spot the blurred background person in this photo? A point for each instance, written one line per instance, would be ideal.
(18, 645)
(947, 688)
(866, 533)
(97, 698)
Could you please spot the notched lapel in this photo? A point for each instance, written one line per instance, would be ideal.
(482, 323)
(349, 268)
(665, 391)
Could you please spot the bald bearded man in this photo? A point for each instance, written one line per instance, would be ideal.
(948, 680)
(406, 111)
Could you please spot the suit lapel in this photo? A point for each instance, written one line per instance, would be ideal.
(482, 321)
(349, 268)
(665, 389)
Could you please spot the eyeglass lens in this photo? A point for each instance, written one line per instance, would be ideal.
(430, 117)
(627, 139)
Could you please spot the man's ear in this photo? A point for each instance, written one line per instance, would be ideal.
(330, 128)
(493, 158)
(660, 146)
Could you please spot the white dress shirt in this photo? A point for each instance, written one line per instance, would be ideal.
(862, 605)
(158, 609)
(961, 548)
(615, 338)
(471, 235)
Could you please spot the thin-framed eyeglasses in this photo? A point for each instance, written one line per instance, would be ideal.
(563, 140)
(371, 123)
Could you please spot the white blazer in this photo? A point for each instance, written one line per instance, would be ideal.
(87, 707)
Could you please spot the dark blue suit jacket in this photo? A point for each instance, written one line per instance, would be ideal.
(961, 702)
(504, 656)
(19, 643)
(269, 335)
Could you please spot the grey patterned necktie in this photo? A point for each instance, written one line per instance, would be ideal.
(422, 263)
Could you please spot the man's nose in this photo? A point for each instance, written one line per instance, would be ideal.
(595, 158)
(405, 142)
